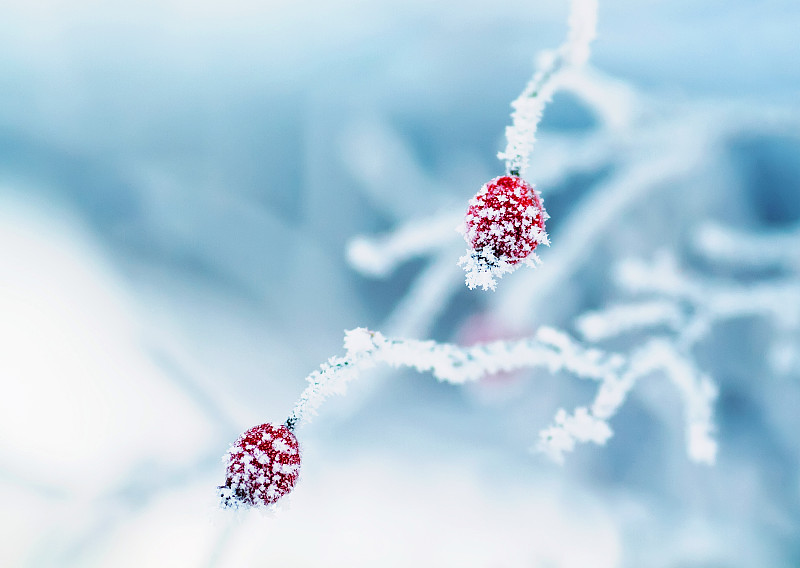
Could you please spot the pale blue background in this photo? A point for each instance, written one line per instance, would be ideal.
(195, 159)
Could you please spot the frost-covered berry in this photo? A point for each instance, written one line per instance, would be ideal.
(503, 226)
(506, 216)
(261, 467)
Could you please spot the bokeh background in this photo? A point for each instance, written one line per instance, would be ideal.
(179, 182)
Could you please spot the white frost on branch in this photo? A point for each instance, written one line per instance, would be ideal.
(698, 393)
(450, 363)
(689, 303)
(611, 322)
(613, 102)
(529, 106)
(549, 349)
(688, 306)
(568, 430)
(378, 256)
(773, 296)
(778, 249)
(711, 300)
(656, 356)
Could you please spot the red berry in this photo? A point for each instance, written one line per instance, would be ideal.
(261, 467)
(507, 216)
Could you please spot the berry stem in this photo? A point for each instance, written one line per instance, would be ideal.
(549, 349)
(448, 362)
(529, 106)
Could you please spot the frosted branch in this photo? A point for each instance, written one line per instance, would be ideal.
(449, 363)
(591, 424)
(615, 104)
(378, 256)
(614, 321)
(549, 349)
(690, 306)
(529, 106)
(698, 393)
(733, 246)
(713, 300)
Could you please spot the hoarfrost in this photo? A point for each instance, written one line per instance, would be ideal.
(550, 349)
(529, 106)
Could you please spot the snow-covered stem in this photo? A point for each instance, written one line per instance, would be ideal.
(688, 305)
(450, 363)
(549, 349)
(712, 300)
(378, 256)
(618, 319)
(528, 107)
(656, 356)
(778, 249)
